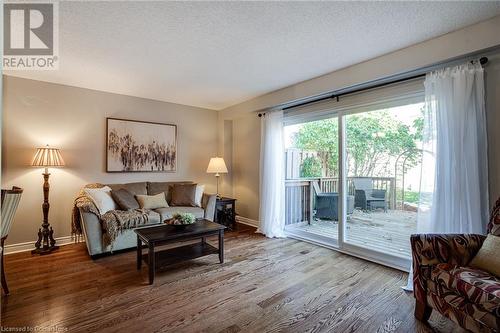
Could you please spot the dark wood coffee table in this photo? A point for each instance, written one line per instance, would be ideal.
(164, 234)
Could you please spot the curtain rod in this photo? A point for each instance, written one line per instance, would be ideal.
(337, 96)
(401, 77)
(482, 61)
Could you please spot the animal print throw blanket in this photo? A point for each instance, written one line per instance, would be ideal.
(112, 222)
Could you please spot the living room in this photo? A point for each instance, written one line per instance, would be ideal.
(292, 166)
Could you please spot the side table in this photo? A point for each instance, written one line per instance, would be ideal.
(225, 212)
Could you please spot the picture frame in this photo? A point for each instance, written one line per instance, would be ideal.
(140, 146)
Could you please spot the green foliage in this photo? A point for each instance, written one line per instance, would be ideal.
(321, 136)
(183, 218)
(412, 197)
(310, 167)
(372, 138)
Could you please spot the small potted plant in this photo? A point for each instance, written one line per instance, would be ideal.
(181, 220)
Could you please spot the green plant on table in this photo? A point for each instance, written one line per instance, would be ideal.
(182, 219)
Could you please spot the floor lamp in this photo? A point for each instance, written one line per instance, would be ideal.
(46, 157)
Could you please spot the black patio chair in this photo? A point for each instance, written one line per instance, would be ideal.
(370, 200)
(326, 205)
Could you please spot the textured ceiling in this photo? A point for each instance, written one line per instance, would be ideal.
(216, 54)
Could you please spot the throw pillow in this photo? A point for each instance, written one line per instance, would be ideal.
(488, 259)
(152, 201)
(124, 199)
(199, 194)
(159, 187)
(101, 198)
(184, 195)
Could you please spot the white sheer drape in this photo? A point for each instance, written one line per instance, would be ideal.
(272, 175)
(455, 165)
(454, 181)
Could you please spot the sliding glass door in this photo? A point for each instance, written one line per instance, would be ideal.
(312, 180)
(383, 165)
(353, 172)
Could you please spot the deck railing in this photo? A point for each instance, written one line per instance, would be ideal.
(299, 194)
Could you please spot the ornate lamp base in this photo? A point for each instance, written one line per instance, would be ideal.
(44, 250)
(46, 242)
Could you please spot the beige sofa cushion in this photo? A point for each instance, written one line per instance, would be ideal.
(184, 195)
(152, 201)
(488, 257)
(102, 198)
(139, 188)
(166, 213)
(165, 187)
(124, 199)
(153, 218)
(199, 195)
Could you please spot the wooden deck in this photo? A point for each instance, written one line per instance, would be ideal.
(384, 232)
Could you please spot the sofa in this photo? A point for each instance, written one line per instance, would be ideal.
(443, 281)
(91, 224)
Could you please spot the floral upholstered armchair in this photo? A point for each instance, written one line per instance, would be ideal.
(442, 280)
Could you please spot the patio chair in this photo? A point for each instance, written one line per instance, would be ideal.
(366, 198)
(10, 201)
(326, 205)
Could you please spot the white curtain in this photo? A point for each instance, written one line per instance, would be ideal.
(454, 181)
(455, 165)
(272, 175)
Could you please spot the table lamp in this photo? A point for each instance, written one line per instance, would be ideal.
(217, 166)
(46, 157)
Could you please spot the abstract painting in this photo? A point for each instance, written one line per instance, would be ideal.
(139, 146)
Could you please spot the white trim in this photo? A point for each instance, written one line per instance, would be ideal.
(355, 251)
(342, 165)
(320, 240)
(28, 246)
(247, 221)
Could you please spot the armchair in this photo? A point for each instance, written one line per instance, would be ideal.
(442, 280)
(10, 202)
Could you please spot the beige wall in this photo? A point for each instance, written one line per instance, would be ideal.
(74, 119)
(493, 119)
(225, 150)
(246, 157)
(452, 45)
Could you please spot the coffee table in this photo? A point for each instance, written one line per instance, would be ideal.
(153, 237)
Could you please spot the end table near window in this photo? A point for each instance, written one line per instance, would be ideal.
(225, 212)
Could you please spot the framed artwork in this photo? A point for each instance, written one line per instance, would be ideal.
(140, 146)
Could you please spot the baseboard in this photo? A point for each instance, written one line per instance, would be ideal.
(28, 246)
(247, 221)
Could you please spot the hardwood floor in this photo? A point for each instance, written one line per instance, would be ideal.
(265, 285)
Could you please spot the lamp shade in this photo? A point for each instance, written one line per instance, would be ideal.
(47, 157)
(217, 165)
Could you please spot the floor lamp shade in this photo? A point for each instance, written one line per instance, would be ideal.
(47, 157)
